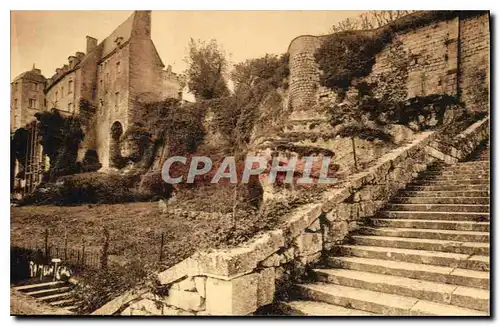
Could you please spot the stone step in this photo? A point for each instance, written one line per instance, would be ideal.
(38, 286)
(449, 182)
(443, 200)
(447, 194)
(448, 187)
(73, 308)
(376, 302)
(45, 292)
(433, 182)
(424, 272)
(440, 258)
(63, 302)
(55, 297)
(454, 235)
(458, 171)
(426, 290)
(429, 308)
(451, 208)
(433, 224)
(452, 174)
(318, 308)
(471, 168)
(470, 248)
(435, 215)
(459, 179)
(472, 163)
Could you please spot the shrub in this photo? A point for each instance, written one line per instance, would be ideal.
(153, 185)
(91, 187)
(347, 55)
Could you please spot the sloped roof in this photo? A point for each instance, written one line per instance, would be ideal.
(33, 75)
(124, 30)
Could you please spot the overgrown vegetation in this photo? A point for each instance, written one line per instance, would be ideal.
(369, 20)
(60, 137)
(207, 66)
(342, 57)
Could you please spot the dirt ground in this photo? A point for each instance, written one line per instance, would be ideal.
(135, 230)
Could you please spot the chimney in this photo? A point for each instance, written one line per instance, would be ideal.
(72, 61)
(169, 69)
(80, 55)
(58, 71)
(91, 44)
(141, 26)
(34, 69)
(65, 68)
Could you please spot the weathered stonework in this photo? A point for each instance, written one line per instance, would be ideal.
(115, 77)
(449, 54)
(240, 280)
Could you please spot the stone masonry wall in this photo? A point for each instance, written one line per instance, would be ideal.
(474, 62)
(440, 52)
(239, 281)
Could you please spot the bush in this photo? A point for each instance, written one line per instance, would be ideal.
(348, 55)
(92, 187)
(153, 185)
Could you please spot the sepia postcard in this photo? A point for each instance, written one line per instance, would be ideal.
(250, 163)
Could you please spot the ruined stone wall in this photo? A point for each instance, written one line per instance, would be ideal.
(439, 53)
(432, 58)
(474, 62)
(304, 76)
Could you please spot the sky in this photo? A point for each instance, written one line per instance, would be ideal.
(47, 38)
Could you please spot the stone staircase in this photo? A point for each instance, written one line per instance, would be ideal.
(426, 253)
(56, 293)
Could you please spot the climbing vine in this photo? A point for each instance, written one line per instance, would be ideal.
(60, 137)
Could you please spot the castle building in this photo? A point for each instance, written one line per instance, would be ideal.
(26, 97)
(114, 77)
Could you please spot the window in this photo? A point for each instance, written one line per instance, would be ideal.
(62, 91)
(70, 87)
(32, 103)
(44, 102)
(15, 86)
(33, 86)
(70, 107)
(118, 70)
(117, 98)
(57, 95)
(15, 103)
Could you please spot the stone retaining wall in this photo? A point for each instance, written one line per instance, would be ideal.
(238, 281)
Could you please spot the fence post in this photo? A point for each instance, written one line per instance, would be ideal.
(161, 246)
(83, 252)
(65, 244)
(105, 248)
(46, 243)
(354, 154)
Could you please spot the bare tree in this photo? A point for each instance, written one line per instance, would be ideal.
(369, 20)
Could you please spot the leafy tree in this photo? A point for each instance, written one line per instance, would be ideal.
(60, 138)
(207, 66)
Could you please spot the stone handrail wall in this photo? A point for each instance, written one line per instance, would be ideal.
(240, 280)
